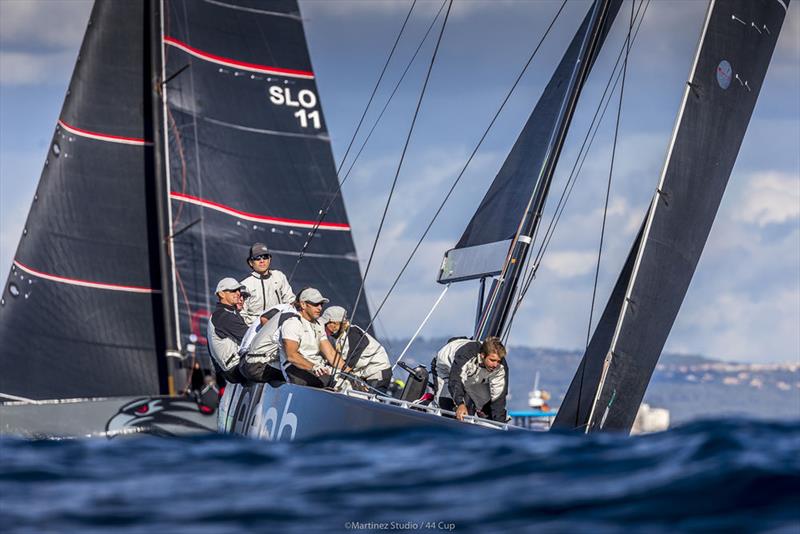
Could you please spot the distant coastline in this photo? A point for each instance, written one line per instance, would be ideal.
(692, 387)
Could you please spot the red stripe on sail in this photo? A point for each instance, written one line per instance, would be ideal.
(266, 69)
(103, 136)
(254, 217)
(83, 283)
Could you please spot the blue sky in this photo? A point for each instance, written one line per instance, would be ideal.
(744, 302)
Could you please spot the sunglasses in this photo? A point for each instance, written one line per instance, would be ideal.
(262, 257)
(315, 304)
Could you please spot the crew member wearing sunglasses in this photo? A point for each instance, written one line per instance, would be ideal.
(307, 357)
(265, 287)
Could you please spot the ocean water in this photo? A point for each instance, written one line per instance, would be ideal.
(739, 476)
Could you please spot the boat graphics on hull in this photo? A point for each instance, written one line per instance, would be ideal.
(288, 412)
(105, 417)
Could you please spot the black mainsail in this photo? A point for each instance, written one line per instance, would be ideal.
(249, 154)
(735, 49)
(140, 211)
(80, 315)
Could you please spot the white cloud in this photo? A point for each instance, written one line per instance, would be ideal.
(569, 264)
(770, 197)
(24, 23)
(39, 40)
(27, 68)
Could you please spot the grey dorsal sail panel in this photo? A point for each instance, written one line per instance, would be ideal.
(577, 404)
(79, 314)
(482, 248)
(735, 50)
(249, 155)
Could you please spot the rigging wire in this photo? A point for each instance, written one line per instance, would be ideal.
(605, 212)
(577, 166)
(394, 91)
(466, 165)
(402, 158)
(610, 175)
(324, 212)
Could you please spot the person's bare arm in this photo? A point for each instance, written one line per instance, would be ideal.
(294, 357)
(329, 353)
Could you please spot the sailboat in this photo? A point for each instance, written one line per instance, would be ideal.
(202, 200)
(608, 387)
(180, 125)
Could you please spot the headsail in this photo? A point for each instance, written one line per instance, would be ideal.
(80, 313)
(732, 59)
(484, 245)
(249, 154)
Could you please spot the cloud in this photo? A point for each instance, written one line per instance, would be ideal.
(770, 197)
(23, 23)
(570, 264)
(39, 40)
(27, 68)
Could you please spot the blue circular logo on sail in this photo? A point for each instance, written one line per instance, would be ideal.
(724, 74)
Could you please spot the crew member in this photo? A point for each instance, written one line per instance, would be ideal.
(361, 352)
(226, 328)
(265, 287)
(259, 351)
(472, 377)
(306, 354)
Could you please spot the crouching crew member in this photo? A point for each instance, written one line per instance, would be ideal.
(305, 352)
(361, 352)
(472, 377)
(265, 287)
(260, 361)
(226, 328)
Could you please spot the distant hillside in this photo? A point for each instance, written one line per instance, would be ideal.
(691, 387)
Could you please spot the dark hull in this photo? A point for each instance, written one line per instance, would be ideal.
(106, 417)
(291, 412)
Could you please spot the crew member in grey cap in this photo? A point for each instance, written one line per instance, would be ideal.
(226, 329)
(362, 352)
(307, 357)
(265, 287)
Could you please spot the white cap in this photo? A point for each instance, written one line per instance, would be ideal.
(228, 284)
(311, 295)
(333, 314)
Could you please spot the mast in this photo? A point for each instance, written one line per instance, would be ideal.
(501, 298)
(169, 344)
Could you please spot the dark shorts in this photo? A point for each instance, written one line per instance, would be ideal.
(306, 378)
(259, 372)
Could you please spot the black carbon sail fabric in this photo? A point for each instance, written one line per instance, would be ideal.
(497, 219)
(734, 53)
(249, 154)
(79, 314)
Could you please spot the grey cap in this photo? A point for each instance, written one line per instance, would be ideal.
(258, 249)
(333, 314)
(311, 295)
(228, 284)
